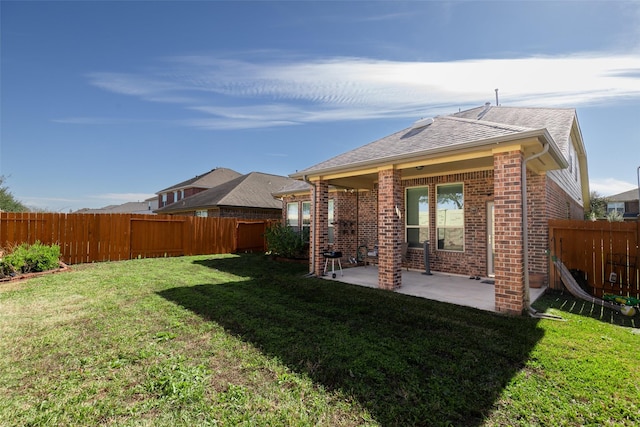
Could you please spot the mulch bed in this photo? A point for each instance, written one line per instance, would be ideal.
(63, 267)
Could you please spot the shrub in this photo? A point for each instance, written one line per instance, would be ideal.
(286, 242)
(26, 258)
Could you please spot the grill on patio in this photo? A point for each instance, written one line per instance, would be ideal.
(333, 256)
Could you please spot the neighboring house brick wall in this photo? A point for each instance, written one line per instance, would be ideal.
(249, 213)
(191, 191)
(171, 195)
(239, 213)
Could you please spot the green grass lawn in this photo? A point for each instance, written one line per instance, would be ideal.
(244, 340)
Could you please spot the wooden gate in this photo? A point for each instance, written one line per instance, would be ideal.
(605, 252)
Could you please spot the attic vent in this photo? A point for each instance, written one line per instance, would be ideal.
(422, 123)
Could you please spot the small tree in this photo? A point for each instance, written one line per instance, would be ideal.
(8, 203)
(615, 216)
(597, 206)
(284, 241)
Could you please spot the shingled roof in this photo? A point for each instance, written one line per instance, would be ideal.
(626, 196)
(210, 179)
(253, 190)
(557, 121)
(465, 129)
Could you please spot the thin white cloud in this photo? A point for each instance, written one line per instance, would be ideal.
(610, 186)
(234, 94)
(99, 120)
(51, 204)
(123, 197)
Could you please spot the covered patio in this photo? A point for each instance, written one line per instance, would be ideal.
(444, 287)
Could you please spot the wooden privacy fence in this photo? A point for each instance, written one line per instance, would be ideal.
(113, 237)
(598, 249)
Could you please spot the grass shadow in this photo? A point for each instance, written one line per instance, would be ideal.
(408, 360)
(564, 301)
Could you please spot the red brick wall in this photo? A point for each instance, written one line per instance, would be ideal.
(509, 263)
(538, 231)
(319, 217)
(345, 227)
(478, 190)
(367, 214)
(240, 213)
(560, 205)
(171, 199)
(193, 190)
(249, 213)
(390, 228)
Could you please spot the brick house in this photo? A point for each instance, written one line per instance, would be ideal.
(457, 183)
(626, 203)
(195, 185)
(244, 197)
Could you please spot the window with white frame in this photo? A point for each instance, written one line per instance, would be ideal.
(450, 217)
(417, 216)
(292, 215)
(306, 220)
(615, 206)
(164, 199)
(202, 213)
(331, 218)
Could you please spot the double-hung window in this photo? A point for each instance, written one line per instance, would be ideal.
(292, 215)
(417, 216)
(306, 220)
(450, 217)
(331, 217)
(615, 207)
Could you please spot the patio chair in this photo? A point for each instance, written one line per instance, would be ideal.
(404, 248)
(371, 256)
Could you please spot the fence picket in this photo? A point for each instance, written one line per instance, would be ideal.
(112, 237)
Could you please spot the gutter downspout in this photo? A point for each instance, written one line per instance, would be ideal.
(313, 226)
(525, 223)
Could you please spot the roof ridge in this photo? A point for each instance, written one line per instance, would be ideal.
(488, 123)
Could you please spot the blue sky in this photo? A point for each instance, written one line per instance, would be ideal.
(108, 102)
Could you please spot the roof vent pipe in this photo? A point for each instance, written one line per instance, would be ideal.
(496, 97)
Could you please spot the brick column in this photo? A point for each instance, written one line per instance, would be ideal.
(320, 221)
(389, 229)
(509, 261)
(537, 229)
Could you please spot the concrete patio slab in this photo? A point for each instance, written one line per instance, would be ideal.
(444, 287)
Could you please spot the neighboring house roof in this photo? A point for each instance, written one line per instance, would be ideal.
(210, 179)
(253, 190)
(471, 129)
(129, 207)
(627, 196)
